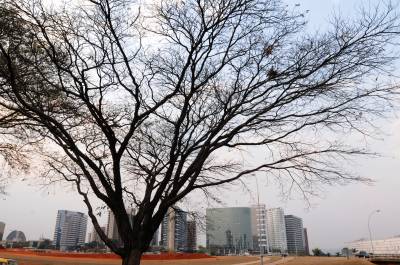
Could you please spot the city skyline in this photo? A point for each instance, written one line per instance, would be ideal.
(158, 234)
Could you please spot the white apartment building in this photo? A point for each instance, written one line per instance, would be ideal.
(94, 236)
(70, 230)
(112, 229)
(276, 230)
(259, 228)
(378, 247)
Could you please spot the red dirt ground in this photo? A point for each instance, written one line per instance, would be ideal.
(58, 258)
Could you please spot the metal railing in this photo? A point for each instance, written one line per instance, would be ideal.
(385, 257)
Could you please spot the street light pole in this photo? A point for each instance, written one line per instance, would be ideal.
(369, 228)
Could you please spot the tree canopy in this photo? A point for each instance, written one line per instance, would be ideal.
(139, 104)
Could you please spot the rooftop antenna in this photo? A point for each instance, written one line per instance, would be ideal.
(258, 194)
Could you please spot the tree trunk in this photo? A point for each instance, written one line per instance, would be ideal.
(133, 258)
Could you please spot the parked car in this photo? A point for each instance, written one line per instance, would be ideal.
(362, 254)
(4, 261)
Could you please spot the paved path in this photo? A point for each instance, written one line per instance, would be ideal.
(281, 261)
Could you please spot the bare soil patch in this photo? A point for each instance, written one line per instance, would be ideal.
(328, 261)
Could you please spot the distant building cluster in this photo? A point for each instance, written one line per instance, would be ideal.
(238, 230)
(177, 232)
(230, 230)
(15, 238)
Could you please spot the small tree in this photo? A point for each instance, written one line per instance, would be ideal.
(202, 249)
(140, 105)
(318, 252)
(45, 244)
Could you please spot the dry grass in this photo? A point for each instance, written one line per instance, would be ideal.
(215, 260)
(327, 261)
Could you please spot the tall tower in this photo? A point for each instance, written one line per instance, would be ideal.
(276, 230)
(191, 236)
(306, 246)
(171, 226)
(174, 229)
(70, 230)
(94, 236)
(112, 228)
(294, 234)
(259, 228)
(154, 242)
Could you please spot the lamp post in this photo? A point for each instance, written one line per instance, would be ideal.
(369, 228)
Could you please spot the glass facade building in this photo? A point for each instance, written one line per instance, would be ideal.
(276, 230)
(294, 235)
(174, 230)
(229, 230)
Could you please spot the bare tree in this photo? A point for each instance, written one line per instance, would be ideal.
(144, 103)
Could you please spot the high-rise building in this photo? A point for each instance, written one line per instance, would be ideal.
(173, 230)
(70, 230)
(2, 227)
(94, 236)
(259, 228)
(294, 235)
(112, 229)
(228, 230)
(154, 242)
(306, 246)
(276, 230)
(191, 236)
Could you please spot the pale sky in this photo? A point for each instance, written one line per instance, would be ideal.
(339, 216)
